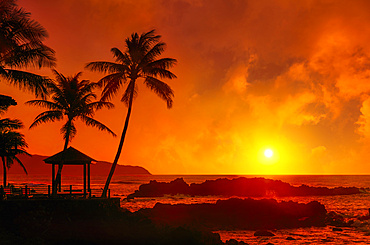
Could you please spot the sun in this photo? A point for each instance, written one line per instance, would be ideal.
(268, 153)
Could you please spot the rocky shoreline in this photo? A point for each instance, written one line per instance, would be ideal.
(94, 222)
(238, 187)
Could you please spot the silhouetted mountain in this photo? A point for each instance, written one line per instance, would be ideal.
(35, 165)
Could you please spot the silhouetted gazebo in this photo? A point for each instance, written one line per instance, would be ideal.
(71, 156)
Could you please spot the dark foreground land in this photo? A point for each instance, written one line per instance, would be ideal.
(95, 221)
(88, 222)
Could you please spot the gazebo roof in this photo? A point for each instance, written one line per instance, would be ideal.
(70, 156)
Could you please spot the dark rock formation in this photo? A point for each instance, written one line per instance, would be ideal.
(289, 238)
(337, 229)
(241, 187)
(237, 213)
(235, 242)
(263, 233)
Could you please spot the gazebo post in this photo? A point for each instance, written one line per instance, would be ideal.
(88, 178)
(52, 176)
(85, 179)
(60, 182)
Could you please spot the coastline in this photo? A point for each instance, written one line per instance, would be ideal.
(356, 205)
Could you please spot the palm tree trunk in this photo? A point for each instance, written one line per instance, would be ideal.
(120, 146)
(58, 177)
(4, 171)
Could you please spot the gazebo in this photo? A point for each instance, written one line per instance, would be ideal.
(71, 156)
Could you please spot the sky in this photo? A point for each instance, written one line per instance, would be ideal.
(290, 76)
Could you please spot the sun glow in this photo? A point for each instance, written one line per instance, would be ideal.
(268, 153)
(268, 156)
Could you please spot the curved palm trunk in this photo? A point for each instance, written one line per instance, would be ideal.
(120, 146)
(4, 171)
(58, 177)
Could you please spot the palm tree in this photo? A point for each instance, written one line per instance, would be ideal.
(71, 99)
(12, 143)
(140, 60)
(21, 47)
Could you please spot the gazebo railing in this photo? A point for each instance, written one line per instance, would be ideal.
(40, 191)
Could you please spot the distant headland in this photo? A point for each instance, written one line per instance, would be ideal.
(36, 166)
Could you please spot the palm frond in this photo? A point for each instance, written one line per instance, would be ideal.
(47, 116)
(17, 25)
(10, 124)
(6, 102)
(106, 67)
(123, 58)
(163, 63)
(150, 56)
(147, 39)
(59, 77)
(29, 81)
(44, 103)
(161, 89)
(26, 55)
(100, 105)
(96, 124)
(162, 73)
(112, 83)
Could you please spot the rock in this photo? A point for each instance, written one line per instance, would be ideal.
(240, 187)
(289, 238)
(236, 213)
(232, 242)
(263, 233)
(336, 219)
(337, 229)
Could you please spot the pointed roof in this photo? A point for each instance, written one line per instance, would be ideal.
(70, 156)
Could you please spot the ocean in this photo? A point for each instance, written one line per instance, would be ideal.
(349, 206)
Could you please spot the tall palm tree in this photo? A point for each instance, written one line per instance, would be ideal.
(21, 47)
(12, 143)
(139, 61)
(71, 99)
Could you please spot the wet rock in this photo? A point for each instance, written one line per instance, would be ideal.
(335, 219)
(337, 229)
(263, 233)
(159, 189)
(232, 242)
(289, 238)
(235, 213)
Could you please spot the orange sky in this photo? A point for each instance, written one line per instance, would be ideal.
(293, 76)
